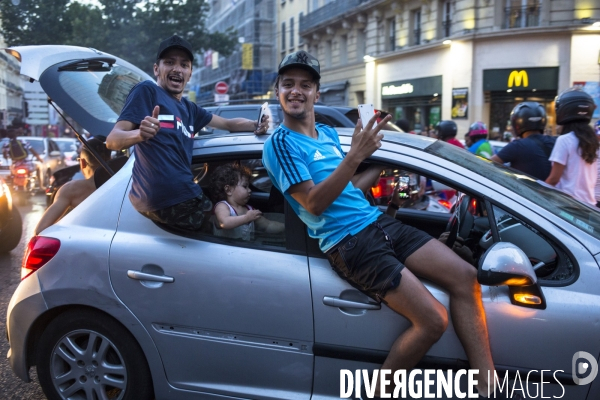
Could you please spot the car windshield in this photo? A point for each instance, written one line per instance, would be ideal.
(66, 145)
(37, 145)
(584, 217)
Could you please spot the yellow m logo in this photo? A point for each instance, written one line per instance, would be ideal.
(516, 77)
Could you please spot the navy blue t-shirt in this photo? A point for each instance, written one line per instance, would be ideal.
(162, 175)
(528, 155)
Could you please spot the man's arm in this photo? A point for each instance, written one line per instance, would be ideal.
(125, 133)
(368, 178)
(239, 124)
(61, 204)
(497, 159)
(316, 198)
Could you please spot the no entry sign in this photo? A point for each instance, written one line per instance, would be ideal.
(221, 87)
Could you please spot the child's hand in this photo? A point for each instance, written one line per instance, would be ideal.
(253, 215)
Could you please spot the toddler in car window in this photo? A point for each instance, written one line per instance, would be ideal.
(234, 217)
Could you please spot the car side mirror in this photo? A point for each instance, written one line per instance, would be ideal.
(55, 153)
(506, 264)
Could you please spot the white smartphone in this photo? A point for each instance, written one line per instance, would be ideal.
(263, 111)
(366, 112)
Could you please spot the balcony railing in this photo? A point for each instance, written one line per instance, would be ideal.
(327, 13)
(522, 17)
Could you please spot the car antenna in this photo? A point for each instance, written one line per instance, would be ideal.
(83, 141)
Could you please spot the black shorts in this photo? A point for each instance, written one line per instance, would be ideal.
(372, 259)
(187, 215)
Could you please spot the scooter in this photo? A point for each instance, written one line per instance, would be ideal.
(23, 180)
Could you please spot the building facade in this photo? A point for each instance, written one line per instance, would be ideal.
(11, 91)
(249, 71)
(466, 60)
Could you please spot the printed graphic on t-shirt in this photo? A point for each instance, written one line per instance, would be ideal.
(337, 151)
(173, 122)
(318, 156)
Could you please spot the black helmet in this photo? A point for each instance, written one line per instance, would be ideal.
(528, 116)
(477, 129)
(574, 105)
(446, 129)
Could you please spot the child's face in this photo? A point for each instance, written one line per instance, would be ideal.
(240, 194)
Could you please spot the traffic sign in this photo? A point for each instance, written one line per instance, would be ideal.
(221, 87)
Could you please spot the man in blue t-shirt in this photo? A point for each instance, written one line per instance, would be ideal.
(367, 248)
(531, 152)
(161, 123)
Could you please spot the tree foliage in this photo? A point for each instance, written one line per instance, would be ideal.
(130, 29)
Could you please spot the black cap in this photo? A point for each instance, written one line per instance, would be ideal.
(175, 42)
(301, 59)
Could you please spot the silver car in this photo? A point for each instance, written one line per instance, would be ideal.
(51, 155)
(113, 305)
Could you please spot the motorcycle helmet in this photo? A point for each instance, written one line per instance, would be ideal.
(528, 116)
(574, 105)
(477, 130)
(446, 129)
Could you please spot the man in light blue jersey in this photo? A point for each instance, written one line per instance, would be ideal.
(367, 248)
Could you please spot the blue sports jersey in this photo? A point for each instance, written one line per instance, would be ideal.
(162, 175)
(292, 158)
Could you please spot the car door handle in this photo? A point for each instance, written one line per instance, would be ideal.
(340, 303)
(142, 276)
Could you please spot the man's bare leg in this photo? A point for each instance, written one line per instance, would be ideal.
(428, 317)
(437, 263)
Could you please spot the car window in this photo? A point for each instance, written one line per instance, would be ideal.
(263, 197)
(550, 263)
(37, 145)
(240, 113)
(66, 145)
(53, 146)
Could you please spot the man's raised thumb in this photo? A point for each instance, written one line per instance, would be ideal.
(155, 112)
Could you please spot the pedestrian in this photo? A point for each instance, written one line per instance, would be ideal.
(575, 154)
(476, 140)
(161, 123)
(370, 250)
(404, 124)
(72, 193)
(446, 131)
(531, 153)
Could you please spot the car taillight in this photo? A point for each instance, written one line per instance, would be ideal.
(384, 187)
(445, 203)
(39, 251)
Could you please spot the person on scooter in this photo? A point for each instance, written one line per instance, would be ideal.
(477, 142)
(531, 153)
(446, 131)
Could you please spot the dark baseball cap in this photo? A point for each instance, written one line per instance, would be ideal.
(301, 59)
(175, 42)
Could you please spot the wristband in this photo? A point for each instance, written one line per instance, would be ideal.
(394, 206)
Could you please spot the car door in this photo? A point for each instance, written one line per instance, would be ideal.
(228, 318)
(353, 332)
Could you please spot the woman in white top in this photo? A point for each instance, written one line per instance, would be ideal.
(575, 154)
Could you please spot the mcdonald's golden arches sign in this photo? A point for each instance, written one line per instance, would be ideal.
(520, 79)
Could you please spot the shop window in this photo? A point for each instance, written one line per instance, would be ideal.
(522, 13)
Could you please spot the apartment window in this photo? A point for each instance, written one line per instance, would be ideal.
(391, 34)
(315, 5)
(446, 18)
(361, 44)
(292, 32)
(328, 54)
(522, 13)
(283, 36)
(300, 38)
(416, 20)
(343, 49)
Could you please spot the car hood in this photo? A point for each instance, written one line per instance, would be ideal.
(91, 86)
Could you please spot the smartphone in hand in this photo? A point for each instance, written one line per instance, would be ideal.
(263, 111)
(366, 112)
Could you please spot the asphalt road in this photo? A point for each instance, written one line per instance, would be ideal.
(12, 387)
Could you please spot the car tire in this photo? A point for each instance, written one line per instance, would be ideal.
(69, 366)
(10, 236)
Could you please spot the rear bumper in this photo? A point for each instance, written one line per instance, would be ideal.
(26, 305)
